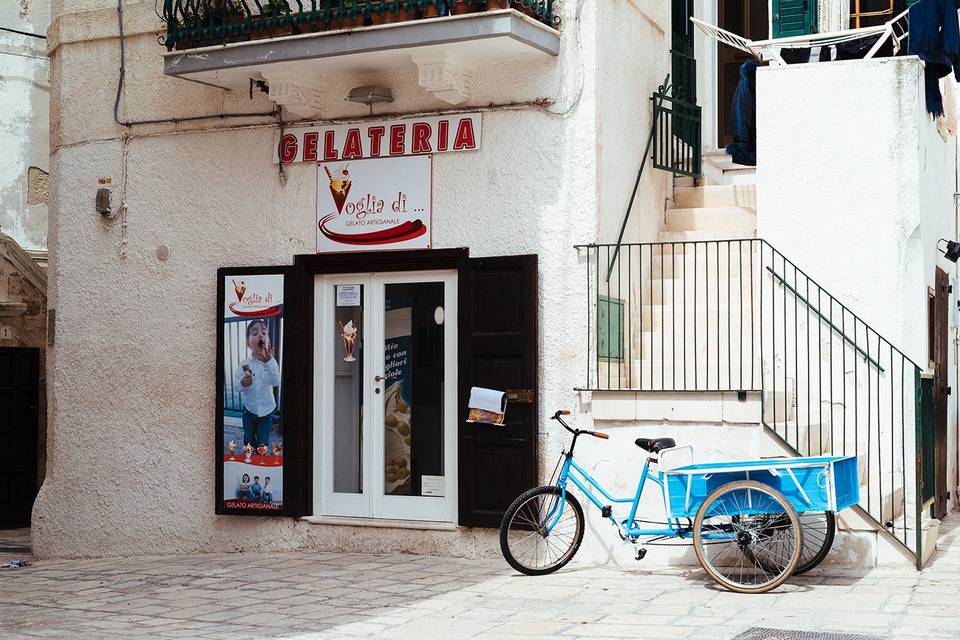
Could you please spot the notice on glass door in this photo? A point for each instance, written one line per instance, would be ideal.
(348, 295)
(431, 486)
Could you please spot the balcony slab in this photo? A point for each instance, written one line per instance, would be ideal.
(473, 41)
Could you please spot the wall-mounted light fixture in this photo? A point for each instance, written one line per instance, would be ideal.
(370, 95)
(952, 252)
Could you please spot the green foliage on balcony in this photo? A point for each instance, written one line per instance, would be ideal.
(200, 23)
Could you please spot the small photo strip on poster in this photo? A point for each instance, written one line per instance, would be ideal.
(486, 405)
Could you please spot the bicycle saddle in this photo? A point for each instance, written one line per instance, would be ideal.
(655, 445)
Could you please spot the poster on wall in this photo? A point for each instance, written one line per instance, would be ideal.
(250, 440)
(371, 205)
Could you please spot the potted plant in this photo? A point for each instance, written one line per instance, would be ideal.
(271, 20)
(390, 11)
(347, 15)
(459, 7)
(431, 8)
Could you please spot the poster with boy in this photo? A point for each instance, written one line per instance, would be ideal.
(252, 436)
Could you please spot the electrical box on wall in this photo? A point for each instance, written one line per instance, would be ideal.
(6, 333)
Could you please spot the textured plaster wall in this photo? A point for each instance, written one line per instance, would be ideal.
(625, 82)
(24, 96)
(132, 384)
(861, 175)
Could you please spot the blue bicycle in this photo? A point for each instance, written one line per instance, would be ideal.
(741, 517)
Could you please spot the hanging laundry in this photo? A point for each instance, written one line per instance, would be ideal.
(801, 55)
(858, 49)
(743, 117)
(935, 37)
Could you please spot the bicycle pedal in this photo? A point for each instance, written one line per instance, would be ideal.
(641, 554)
(606, 511)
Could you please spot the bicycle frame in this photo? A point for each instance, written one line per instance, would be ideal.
(581, 478)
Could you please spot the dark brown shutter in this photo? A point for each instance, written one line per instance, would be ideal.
(940, 391)
(497, 350)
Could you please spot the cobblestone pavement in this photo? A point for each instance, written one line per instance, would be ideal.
(301, 596)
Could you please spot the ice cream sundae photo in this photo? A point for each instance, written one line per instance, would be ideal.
(276, 453)
(247, 452)
(349, 333)
(232, 449)
(339, 185)
(239, 289)
(262, 450)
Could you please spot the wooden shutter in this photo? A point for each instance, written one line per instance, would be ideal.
(497, 350)
(940, 390)
(794, 18)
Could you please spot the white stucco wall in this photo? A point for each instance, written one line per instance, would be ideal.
(24, 97)
(127, 430)
(855, 186)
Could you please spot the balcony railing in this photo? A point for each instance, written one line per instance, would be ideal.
(201, 23)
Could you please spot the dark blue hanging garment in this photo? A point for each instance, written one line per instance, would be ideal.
(935, 38)
(743, 117)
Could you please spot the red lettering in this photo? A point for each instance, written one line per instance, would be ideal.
(310, 146)
(442, 134)
(421, 138)
(287, 149)
(375, 133)
(397, 134)
(329, 151)
(352, 147)
(465, 137)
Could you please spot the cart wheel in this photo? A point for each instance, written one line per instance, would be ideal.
(817, 530)
(743, 520)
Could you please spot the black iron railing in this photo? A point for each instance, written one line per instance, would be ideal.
(676, 134)
(197, 23)
(736, 315)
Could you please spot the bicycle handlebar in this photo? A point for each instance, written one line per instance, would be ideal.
(566, 412)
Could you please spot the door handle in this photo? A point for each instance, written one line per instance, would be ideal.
(377, 378)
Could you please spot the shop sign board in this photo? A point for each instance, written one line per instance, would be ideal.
(384, 139)
(374, 204)
(250, 439)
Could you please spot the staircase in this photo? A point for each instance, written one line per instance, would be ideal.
(710, 308)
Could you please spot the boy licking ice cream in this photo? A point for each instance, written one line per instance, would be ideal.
(257, 375)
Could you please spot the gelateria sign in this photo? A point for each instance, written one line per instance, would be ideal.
(374, 203)
(407, 137)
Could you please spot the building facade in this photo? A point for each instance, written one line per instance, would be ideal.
(295, 244)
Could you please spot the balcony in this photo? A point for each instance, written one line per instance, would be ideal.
(296, 46)
(202, 23)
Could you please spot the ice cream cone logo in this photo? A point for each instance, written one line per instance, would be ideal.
(339, 185)
(239, 289)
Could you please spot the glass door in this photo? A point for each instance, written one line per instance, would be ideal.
(385, 402)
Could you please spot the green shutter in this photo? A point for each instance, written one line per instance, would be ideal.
(794, 18)
(609, 328)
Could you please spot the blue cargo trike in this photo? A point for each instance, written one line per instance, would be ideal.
(752, 523)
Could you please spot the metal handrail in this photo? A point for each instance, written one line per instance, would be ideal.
(211, 22)
(825, 319)
(737, 316)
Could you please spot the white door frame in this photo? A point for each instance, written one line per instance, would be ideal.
(372, 503)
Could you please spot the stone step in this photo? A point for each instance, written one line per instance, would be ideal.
(710, 218)
(707, 235)
(716, 196)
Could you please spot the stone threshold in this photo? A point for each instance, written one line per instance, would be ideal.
(343, 521)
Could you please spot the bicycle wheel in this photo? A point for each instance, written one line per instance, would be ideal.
(817, 530)
(741, 520)
(527, 544)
